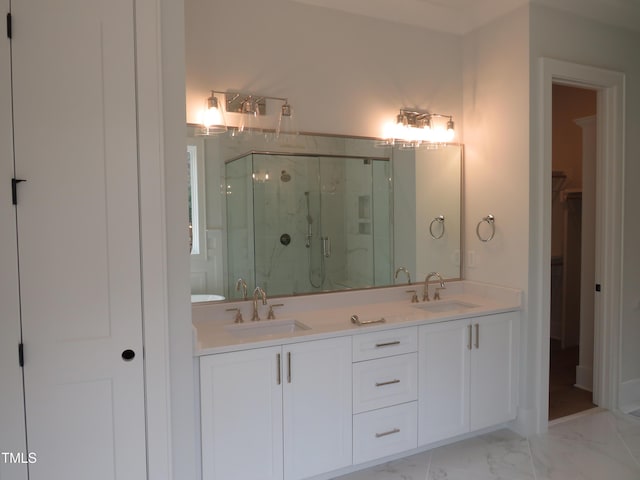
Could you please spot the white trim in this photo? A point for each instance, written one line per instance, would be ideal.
(609, 216)
(152, 235)
(629, 395)
(584, 378)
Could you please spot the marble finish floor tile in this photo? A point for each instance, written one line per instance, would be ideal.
(408, 468)
(629, 430)
(586, 448)
(598, 445)
(501, 455)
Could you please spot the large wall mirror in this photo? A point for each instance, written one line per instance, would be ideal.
(319, 213)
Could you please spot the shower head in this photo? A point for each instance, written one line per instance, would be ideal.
(284, 176)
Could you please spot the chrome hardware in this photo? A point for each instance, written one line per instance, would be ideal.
(288, 367)
(439, 220)
(387, 344)
(477, 335)
(491, 221)
(238, 317)
(403, 269)
(271, 315)
(469, 345)
(390, 382)
(279, 369)
(390, 432)
(326, 247)
(414, 297)
(355, 320)
(258, 291)
(242, 285)
(425, 292)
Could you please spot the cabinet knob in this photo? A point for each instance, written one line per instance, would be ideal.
(128, 355)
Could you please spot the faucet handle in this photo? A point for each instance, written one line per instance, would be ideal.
(414, 297)
(271, 315)
(436, 296)
(238, 318)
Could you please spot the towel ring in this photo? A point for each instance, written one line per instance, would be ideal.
(439, 219)
(490, 219)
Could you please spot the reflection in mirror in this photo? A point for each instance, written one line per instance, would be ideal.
(323, 213)
(301, 223)
(428, 206)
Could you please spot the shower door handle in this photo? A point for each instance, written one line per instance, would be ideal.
(326, 247)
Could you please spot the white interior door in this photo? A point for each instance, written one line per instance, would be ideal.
(12, 435)
(75, 145)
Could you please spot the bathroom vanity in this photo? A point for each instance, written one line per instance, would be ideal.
(315, 394)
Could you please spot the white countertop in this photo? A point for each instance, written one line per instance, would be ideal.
(328, 315)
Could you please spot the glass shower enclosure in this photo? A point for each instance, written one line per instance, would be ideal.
(302, 223)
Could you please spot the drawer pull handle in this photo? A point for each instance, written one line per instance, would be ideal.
(279, 369)
(390, 382)
(387, 344)
(390, 432)
(477, 335)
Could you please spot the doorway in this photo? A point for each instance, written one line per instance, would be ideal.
(608, 266)
(573, 210)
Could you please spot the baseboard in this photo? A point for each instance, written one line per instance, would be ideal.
(584, 378)
(525, 423)
(630, 395)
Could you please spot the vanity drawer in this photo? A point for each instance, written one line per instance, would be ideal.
(384, 382)
(385, 343)
(384, 432)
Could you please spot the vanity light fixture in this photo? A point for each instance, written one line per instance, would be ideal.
(415, 128)
(252, 107)
(287, 131)
(212, 121)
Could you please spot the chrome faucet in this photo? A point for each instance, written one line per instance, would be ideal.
(425, 293)
(403, 269)
(241, 284)
(258, 291)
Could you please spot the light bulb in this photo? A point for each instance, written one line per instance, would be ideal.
(212, 119)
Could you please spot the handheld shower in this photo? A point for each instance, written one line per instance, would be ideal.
(307, 242)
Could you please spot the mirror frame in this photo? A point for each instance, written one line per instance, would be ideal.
(191, 128)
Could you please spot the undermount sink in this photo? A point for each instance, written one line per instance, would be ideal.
(446, 306)
(266, 327)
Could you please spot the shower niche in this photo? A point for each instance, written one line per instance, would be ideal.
(298, 223)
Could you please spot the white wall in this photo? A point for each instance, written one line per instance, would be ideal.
(342, 73)
(496, 116)
(570, 38)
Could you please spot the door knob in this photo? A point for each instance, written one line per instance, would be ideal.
(127, 355)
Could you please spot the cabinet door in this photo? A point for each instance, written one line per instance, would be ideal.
(317, 406)
(73, 68)
(443, 380)
(241, 415)
(492, 370)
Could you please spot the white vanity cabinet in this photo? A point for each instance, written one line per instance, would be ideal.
(277, 412)
(241, 415)
(467, 374)
(385, 390)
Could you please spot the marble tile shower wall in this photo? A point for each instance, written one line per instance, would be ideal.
(239, 218)
(334, 196)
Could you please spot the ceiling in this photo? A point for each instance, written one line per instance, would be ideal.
(462, 16)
